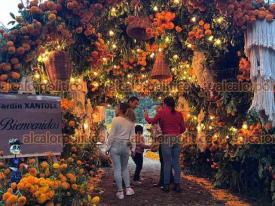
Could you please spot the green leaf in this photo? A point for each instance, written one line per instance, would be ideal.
(12, 15)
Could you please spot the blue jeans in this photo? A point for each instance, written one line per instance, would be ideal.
(120, 155)
(170, 155)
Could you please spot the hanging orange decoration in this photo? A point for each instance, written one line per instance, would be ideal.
(160, 69)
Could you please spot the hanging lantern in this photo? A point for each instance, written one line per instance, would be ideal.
(160, 69)
(137, 27)
(59, 69)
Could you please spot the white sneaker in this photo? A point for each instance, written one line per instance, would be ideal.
(120, 195)
(129, 191)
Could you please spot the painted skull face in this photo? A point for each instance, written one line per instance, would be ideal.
(15, 149)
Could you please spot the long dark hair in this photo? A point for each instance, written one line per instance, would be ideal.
(127, 111)
(170, 102)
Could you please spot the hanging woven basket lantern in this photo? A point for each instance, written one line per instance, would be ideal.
(137, 27)
(59, 70)
(160, 69)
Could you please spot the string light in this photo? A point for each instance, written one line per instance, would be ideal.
(175, 57)
(167, 40)
(152, 55)
(245, 126)
(44, 81)
(72, 80)
(104, 59)
(114, 46)
(220, 20)
(233, 129)
(78, 80)
(95, 74)
(155, 8)
(37, 75)
(194, 19)
(111, 33)
(176, 1)
(113, 12)
(212, 117)
(85, 125)
(210, 38)
(218, 42)
(199, 128)
(189, 45)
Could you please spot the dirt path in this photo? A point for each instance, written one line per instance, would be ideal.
(196, 191)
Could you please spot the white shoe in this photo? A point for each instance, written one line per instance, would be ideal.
(120, 195)
(129, 191)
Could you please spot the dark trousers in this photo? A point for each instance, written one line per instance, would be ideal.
(161, 180)
(138, 159)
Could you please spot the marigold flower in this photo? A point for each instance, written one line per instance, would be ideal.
(22, 200)
(31, 161)
(44, 165)
(11, 200)
(56, 166)
(178, 29)
(13, 185)
(201, 22)
(33, 171)
(6, 196)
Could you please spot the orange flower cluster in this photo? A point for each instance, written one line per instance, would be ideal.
(67, 104)
(245, 13)
(199, 31)
(129, 65)
(47, 183)
(142, 55)
(162, 21)
(11, 199)
(101, 54)
(244, 67)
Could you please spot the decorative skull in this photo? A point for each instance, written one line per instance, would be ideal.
(15, 146)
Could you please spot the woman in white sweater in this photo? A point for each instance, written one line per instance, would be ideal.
(119, 146)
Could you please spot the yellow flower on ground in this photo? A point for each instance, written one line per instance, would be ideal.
(56, 166)
(95, 200)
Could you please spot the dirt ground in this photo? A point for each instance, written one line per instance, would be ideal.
(196, 191)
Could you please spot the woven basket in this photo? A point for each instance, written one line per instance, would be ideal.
(137, 27)
(59, 70)
(160, 69)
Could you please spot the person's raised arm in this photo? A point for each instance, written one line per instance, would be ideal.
(154, 120)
